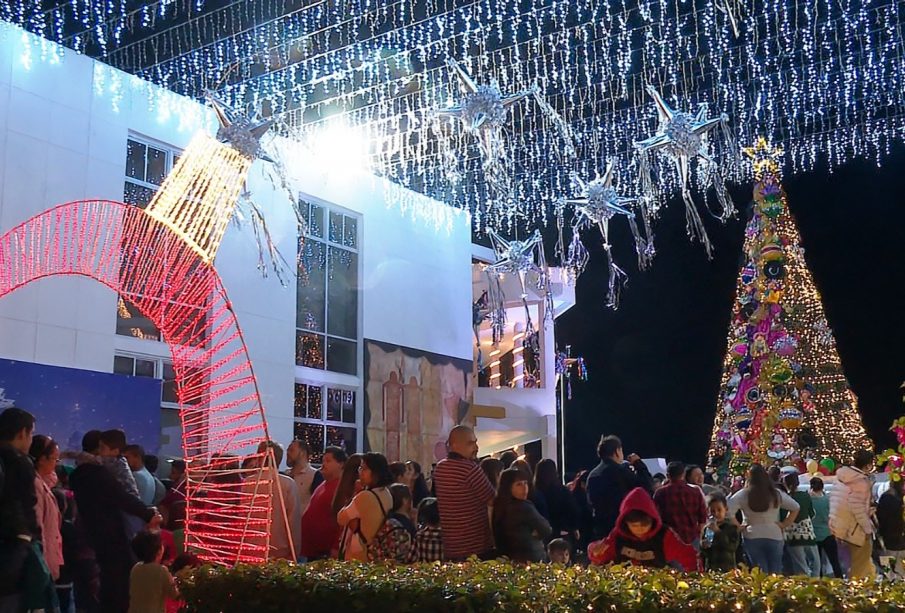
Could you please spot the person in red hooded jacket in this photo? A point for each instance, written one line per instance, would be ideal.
(640, 538)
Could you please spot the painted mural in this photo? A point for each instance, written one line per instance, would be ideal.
(412, 399)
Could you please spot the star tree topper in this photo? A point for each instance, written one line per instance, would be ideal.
(765, 158)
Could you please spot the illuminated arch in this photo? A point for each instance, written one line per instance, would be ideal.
(151, 266)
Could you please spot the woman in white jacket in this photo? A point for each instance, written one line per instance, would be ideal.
(850, 512)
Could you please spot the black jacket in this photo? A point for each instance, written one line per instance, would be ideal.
(520, 532)
(562, 510)
(17, 495)
(100, 498)
(892, 524)
(608, 484)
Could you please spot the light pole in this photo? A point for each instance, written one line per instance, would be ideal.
(564, 365)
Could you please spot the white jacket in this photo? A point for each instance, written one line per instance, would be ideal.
(850, 506)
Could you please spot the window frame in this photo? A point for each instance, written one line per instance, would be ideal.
(323, 422)
(325, 335)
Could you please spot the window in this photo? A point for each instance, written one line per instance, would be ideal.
(147, 164)
(327, 334)
(157, 368)
(162, 368)
(325, 416)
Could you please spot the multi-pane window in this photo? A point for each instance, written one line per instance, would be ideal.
(327, 334)
(147, 165)
(155, 368)
(325, 416)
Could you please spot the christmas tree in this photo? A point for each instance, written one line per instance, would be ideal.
(784, 397)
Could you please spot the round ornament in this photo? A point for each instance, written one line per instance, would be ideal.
(774, 270)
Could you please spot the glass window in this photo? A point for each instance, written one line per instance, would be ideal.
(316, 221)
(309, 350)
(169, 383)
(312, 287)
(336, 227)
(342, 293)
(160, 368)
(327, 292)
(137, 195)
(342, 356)
(314, 434)
(131, 322)
(343, 438)
(350, 233)
(123, 365)
(325, 417)
(157, 166)
(135, 159)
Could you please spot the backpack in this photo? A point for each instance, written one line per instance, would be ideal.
(392, 541)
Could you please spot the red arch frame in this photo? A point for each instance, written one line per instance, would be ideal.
(119, 245)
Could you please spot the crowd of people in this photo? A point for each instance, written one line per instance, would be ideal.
(107, 535)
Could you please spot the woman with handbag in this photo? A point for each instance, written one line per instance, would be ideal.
(365, 515)
(760, 502)
(801, 541)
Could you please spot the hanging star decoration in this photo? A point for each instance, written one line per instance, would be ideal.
(239, 132)
(682, 138)
(243, 135)
(483, 110)
(597, 205)
(765, 158)
(520, 258)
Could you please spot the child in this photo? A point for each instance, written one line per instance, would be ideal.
(720, 539)
(182, 562)
(428, 540)
(559, 551)
(641, 539)
(150, 582)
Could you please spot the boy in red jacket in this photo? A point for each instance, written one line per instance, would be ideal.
(641, 539)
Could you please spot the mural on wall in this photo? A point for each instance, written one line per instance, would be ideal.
(67, 402)
(412, 399)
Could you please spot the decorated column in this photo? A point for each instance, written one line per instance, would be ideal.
(784, 397)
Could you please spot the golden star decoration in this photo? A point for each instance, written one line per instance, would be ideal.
(764, 157)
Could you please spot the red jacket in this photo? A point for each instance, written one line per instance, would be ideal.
(658, 548)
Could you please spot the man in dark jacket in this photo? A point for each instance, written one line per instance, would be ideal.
(101, 501)
(25, 581)
(612, 480)
(892, 524)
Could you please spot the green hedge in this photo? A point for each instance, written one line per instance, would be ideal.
(340, 587)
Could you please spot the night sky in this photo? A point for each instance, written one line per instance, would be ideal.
(655, 364)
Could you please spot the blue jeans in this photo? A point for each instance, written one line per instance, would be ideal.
(805, 560)
(765, 554)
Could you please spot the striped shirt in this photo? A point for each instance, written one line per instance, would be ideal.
(463, 495)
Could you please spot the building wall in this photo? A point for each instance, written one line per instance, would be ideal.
(64, 123)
